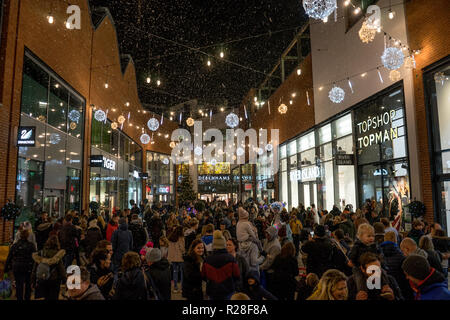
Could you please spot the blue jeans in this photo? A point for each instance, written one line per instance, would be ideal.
(177, 268)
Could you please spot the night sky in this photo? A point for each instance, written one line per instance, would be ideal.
(194, 24)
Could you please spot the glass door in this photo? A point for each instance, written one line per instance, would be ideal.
(54, 203)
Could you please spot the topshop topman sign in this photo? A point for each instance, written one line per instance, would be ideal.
(102, 162)
(382, 123)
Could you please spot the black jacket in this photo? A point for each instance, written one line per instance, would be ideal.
(68, 237)
(139, 235)
(243, 269)
(375, 293)
(93, 236)
(122, 242)
(131, 285)
(20, 257)
(359, 248)
(96, 273)
(256, 291)
(161, 276)
(284, 282)
(320, 255)
(42, 233)
(192, 279)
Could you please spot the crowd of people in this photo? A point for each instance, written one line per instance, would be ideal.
(235, 251)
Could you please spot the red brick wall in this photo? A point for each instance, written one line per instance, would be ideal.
(428, 26)
(72, 54)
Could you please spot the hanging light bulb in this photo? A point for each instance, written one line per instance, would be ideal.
(106, 85)
(149, 80)
(67, 25)
(391, 14)
(222, 54)
(299, 71)
(357, 10)
(50, 19)
(208, 63)
(222, 109)
(346, 2)
(325, 20)
(158, 82)
(127, 104)
(379, 75)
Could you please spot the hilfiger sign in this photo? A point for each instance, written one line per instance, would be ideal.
(103, 162)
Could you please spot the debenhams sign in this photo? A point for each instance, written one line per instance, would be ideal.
(382, 135)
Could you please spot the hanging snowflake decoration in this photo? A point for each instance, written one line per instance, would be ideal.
(282, 108)
(132, 158)
(395, 75)
(213, 162)
(172, 144)
(74, 115)
(55, 138)
(190, 122)
(165, 161)
(198, 151)
(319, 9)
(121, 119)
(366, 33)
(336, 94)
(260, 151)
(153, 124)
(145, 138)
(114, 125)
(232, 120)
(269, 147)
(100, 115)
(73, 126)
(239, 151)
(392, 58)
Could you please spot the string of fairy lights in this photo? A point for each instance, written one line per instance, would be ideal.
(394, 56)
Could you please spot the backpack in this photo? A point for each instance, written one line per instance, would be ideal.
(43, 271)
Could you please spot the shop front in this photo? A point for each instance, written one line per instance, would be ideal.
(437, 87)
(214, 181)
(115, 167)
(50, 142)
(264, 178)
(357, 155)
(160, 183)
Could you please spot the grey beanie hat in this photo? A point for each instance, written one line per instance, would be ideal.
(416, 266)
(153, 255)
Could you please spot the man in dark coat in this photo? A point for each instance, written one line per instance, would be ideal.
(320, 252)
(122, 242)
(93, 236)
(155, 227)
(158, 274)
(69, 238)
(140, 235)
(220, 270)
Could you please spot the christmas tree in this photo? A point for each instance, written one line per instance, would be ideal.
(187, 192)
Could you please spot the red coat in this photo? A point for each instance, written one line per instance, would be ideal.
(110, 230)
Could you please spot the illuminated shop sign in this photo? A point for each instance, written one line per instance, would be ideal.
(244, 178)
(100, 161)
(306, 174)
(26, 136)
(214, 178)
(379, 172)
(164, 189)
(382, 134)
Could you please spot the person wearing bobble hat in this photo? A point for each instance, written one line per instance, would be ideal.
(157, 272)
(220, 270)
(426, 282)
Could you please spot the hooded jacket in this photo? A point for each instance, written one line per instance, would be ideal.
(93, 236)
(433, 288)
(54, 259)
(160, 273)
(111, 227)
(272, 247)
(122, 242)
(359, 248)
(140, 236)
(192, 279)
(131, 285)
(256, 291)
(221, 272)
(244, 228)
(42, 233)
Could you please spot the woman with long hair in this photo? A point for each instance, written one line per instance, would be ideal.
(192, 277)
(175, 254)
(285, 269)
(332, 286)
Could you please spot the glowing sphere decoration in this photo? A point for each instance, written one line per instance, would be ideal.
(114, 125)
(74, 115)
(366, 33)
(260, 151)
(232, 120)
(213, 162)
(190, 122)
(269, 147)
(392, 58)
(153, 124)
(198, 151)
(319, 9)
(73, 126)
(410, 62)
(395, 75)
(165, 161)
(100, 115)
(336, 94)
(172, 144)
(132, 158)
(239, 151)
(145, 138)
(282, 108)
(121, 119)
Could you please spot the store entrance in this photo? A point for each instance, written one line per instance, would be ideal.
(54, 203)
